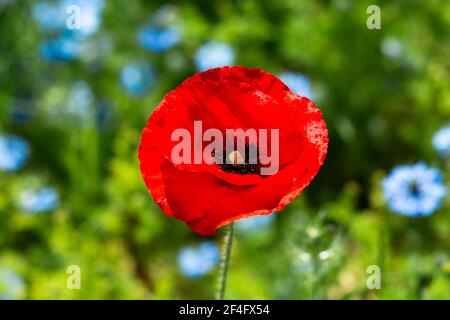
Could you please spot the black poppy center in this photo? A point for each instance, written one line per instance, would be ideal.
(236, 161)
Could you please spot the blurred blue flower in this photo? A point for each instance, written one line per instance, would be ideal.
(391, 47)
(90, 15)
(14, 152)
(159, 39)
(63, 48)
(255, 223)
(298, 83)
(81, 100)
(197, 261)
(414, 190)
(137, 78)
(66, 45)
(34, 201)
(58, 17)
(12, 286)
(48, 15)
(161, 33)
(441, 141)
(213, 55)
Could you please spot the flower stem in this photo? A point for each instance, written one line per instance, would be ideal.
(225, 260)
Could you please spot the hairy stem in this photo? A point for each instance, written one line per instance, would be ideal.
(225, 260)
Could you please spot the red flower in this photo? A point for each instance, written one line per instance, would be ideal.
(207, 196)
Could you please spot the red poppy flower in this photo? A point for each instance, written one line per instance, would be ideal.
(209, 195)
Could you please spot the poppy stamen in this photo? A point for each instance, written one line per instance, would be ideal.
(236, 158)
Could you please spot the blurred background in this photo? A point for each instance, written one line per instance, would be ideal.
(79, 79)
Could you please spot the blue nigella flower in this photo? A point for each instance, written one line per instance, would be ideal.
(63, 48)
(137, 78)
(40, 200)
(12, 286)
(255, 223)
(159, 39)
(14, 152)
(298, 83)
(441, 141)
(213, 55)
(197, 261)
(414, 190)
